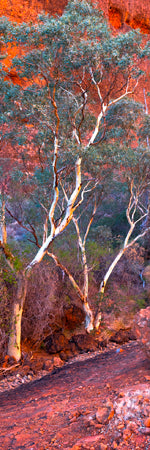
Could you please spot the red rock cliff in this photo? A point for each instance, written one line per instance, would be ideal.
(134, 13)
(122, 15)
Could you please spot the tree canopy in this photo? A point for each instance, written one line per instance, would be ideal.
(74, 126)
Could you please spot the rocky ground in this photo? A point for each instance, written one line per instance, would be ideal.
(96, 401)
(89, 395)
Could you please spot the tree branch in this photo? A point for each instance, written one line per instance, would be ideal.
(56, 230)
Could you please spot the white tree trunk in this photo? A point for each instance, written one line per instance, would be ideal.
(55, 231)
(89, 319)
(3, 231)
(14, 344)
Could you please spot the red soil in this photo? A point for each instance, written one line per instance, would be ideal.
(97, 402)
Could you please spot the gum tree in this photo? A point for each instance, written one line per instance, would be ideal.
(73, 76)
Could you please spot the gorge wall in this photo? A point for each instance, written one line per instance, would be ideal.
(122, 16)
(133, 13)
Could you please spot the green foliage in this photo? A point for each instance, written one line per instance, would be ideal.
(141, 302)
(59, 54)
(65, 49)
(9, 277)
(66, 250)
(18, 265)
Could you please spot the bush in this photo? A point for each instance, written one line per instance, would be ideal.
(41, 310)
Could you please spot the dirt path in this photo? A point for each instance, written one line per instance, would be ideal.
(99, 403)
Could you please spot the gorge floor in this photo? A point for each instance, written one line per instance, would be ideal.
(95, 402)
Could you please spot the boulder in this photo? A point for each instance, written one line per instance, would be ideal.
(73, 316)
(56, 342)
(146, 277)
(142, 329)
(85, 343)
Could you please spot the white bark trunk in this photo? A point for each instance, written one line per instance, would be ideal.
(104, 107)
(89, 319)
(55, 231)
(14, 344)
(3, 231)
(109, 271)
(114, 263)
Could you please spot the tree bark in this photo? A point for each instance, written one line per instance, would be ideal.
(89, 319)
(14, 344)
(3, 231)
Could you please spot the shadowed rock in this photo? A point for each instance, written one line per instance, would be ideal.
(142, 329)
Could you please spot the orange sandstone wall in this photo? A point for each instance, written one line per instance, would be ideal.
(122, 15)
(133, 13)
(27, 10)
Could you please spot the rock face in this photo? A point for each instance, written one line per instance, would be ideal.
(29, 9)
(146, 276)
(122, 16)
(134, 13)
(142, 329)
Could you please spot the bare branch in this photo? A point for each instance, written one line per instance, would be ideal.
(138, 237)
(146, 112)
(55, 188)
(71, 278)
(76, 131)
(104, 108)
(90, 223)
(127, 244)
(56, 230)
(71, 95)
(25, 227)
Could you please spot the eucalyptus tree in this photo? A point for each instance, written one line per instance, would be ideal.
(74, 76)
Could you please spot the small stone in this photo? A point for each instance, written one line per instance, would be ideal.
(75, 416)
(146, 412)
(47, 365)
(76, 447)
(57, 361)
(102, 414)
(98, 425)
(111, 415)
(25, 370)
(89, 419)
(103, 447)
(147, 422)
(147, 431)
(133, 427)
(30, 377)
(142, 326)
(140, 398)
(147, 377)
(120, 425)
(127, 434)
(121, 394)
